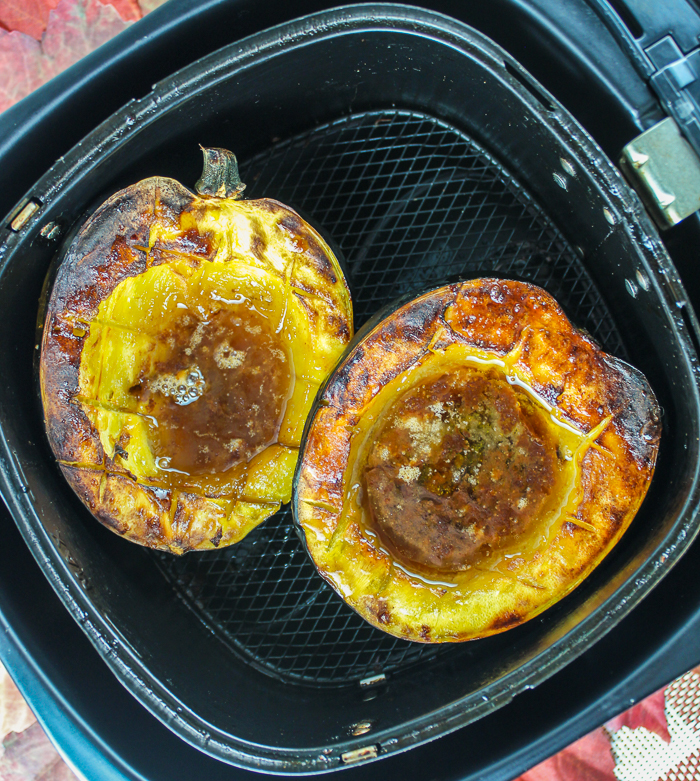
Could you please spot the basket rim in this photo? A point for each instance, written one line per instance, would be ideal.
(183, 86)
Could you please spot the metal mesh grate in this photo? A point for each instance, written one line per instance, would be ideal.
(410, 202)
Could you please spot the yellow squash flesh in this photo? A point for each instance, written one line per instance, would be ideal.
(418, 516)
(184, 342)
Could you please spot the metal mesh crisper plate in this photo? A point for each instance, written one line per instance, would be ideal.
(410, 202)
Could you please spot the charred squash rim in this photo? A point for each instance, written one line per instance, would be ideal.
(115, 244)
(608, 401)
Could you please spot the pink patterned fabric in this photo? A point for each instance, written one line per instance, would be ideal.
(26, 754)
(15, 716)
(657, 739)
(41, 38)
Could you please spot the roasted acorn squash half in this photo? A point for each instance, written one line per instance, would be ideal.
(185, 338)
(470, 461)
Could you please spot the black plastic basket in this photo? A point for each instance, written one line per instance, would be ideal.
(423, 151)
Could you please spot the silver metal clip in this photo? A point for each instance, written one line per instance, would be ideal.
(665, 171)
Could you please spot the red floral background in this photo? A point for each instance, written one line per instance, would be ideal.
(658, 738)
(40, 38)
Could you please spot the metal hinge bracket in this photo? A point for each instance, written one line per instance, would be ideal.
(665, 170)
(661, 39)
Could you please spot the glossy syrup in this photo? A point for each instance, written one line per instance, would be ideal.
(510, 550)
(220, 394)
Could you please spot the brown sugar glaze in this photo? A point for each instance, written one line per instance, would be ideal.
(220, 395)
(461, 466)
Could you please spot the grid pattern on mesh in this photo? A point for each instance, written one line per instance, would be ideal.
(410, 203)
(267, 599)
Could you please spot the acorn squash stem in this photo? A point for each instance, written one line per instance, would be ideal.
(220, 177)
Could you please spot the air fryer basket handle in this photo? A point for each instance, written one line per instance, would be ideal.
(661, 39)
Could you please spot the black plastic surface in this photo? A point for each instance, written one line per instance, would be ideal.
(639, 672)
(562, 42)
(419, 62)
(107, 736)
(661, 39)
(411, 202)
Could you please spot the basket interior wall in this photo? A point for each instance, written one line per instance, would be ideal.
(411, 177)
(410, 202)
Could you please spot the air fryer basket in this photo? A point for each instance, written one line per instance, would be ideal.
(424, 152)
(412, 202)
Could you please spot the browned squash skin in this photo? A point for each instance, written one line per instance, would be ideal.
(599, 403)
(156, 223)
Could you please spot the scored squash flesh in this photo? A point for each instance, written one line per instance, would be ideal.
(185, 339)
(470, 461)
